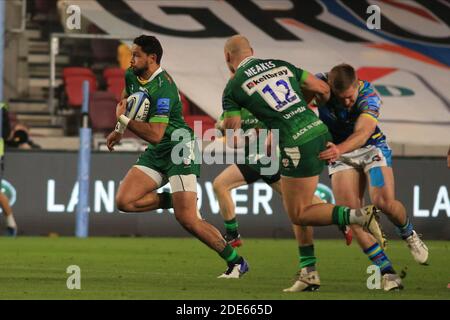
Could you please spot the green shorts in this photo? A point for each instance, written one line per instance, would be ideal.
(303, 161)
(255, 164)
(162, 162)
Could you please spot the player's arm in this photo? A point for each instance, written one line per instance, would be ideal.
(232, 118)
(123, 99)
(364, 128)
(268, 143)
(116, 135)
(233, 122)
(314, 89)
(124, 95)
(151, 132)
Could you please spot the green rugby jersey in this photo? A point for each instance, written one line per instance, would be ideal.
(270, 90)
(165, 105)
(248, 122)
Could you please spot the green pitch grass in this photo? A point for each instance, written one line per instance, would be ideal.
(183, 268)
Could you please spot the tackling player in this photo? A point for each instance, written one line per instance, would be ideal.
(361, 155)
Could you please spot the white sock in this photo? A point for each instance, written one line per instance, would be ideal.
(357, 216)
(10, 222)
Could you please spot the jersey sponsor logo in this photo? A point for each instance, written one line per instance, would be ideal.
(256, 81)
(259, 68)
(162, 106)
(249, 122)
(289, 115)
(307, 128)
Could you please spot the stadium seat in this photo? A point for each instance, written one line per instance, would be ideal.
(43, 6)
(115, 81)
(113, 72)
(73, 84)
(102, 110)
(77, 71)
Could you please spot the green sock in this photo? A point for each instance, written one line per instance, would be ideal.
(165, 200)
(307, 257)
(231, 227)
(230, 255)
(341, 216)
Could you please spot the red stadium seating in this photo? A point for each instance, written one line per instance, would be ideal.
(73, 84)
(76, 71)
(115, 80)
(102, 105)
(113, 72)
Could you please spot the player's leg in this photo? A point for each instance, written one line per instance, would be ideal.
(307, 278)
(300, 169)
(184, 193)
(381, 190)
(137, 192)
(11, 226)
(348, 189)
(297, 195)
(232, 177)
(382, 194)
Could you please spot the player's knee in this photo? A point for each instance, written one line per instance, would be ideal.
(218, 186)
(387, 206)
(122, 204)
(300, 219)
(303, 222)
(382, 203)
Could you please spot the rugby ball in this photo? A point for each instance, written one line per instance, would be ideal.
(138, 106)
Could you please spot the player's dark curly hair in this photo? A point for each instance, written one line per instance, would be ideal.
(150, 45)
(341, 77)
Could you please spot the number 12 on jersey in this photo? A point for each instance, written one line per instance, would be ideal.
(288, 96)
(274, 87)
